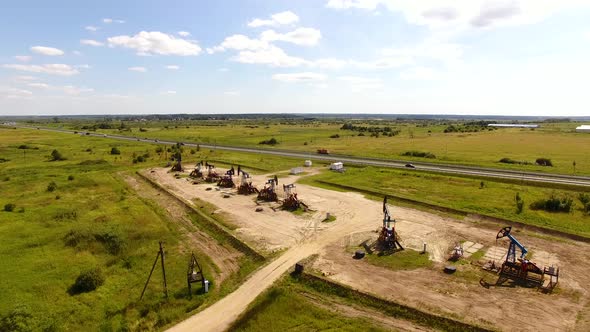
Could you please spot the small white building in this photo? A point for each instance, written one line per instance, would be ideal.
(583, 129)
(296, 170)
(338, 166)
(307, 163)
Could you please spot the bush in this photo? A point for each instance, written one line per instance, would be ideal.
(554, 204)
(519, 203)
(52, 186)
(335, 136)
(3, 160)
(17, 320)
(115, 150)
(511, 161)
(584, 198)
(419, 154)
(70, 178)
(88, 281)
(56, 156)
(544, 162)
(142, 130)
(9, 207)
(271, 141)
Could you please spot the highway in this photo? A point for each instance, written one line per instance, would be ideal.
(561, 179)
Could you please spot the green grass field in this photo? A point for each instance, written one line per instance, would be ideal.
(556, 141)
(494, 199)
(90, 220)
(284, 309)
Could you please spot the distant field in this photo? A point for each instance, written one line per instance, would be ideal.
(495, 199)
(556, 141)
(90, 220)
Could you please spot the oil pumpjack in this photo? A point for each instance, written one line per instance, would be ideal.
(388, 238)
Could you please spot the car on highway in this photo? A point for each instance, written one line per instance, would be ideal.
(410, 166)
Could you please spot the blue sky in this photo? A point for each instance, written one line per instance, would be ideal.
(508, 57)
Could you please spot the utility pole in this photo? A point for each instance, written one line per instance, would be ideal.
(159, 255)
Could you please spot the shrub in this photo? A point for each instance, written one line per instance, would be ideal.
(56, 156)
(193, 151)
(6, 179)
(9, 207)
(23, 146)
(584, 198)
(113, 243)
(115, 150)
(159, 149)
(3, 160)
(554, 204)
(51, 186)
(88, 281)
(335, 136)
(70, 178)
(544, 162)
(17, 320)
(419, 154)
(142, 130)
(511, 161)
(21, 210)
(271, 141)
(519, 203)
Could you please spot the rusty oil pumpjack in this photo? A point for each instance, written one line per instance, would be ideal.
(291, 202)
(522, 270)
(177, 167)
(197, 173)
(269, 192)
(212, 176)
(227, 181)
(246, 187)
(388, 237)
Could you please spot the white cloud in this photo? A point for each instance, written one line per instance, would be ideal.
(282, 18)
(138, 69)
(11, 93)
(169, 92)
(223, 70)
(38, 85)
(84, 66)
(46, 50)
(464, 13)
(91, 42)
(300, 36)
(272, 56)
(443, 51)
(91, 28)
(418, 74)
(358, 84)
(299, 77)
(53, 69)
(239, 42)
(74, 91)
(184, 33)
(172, 67)
(155, 42)
(25, 78)
(330, 63)
(110, 20)
(23, 58)
(232, 93)
(67, 89)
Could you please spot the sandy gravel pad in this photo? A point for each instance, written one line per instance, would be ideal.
(358, 218)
